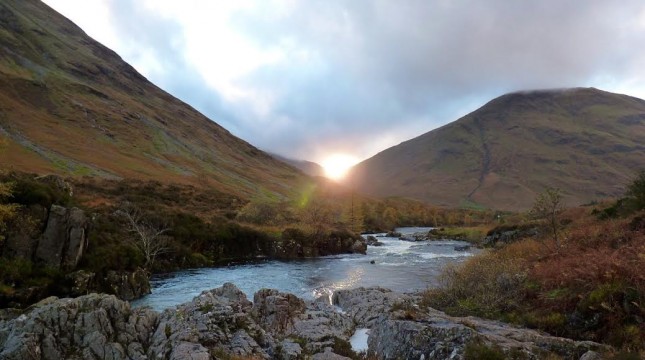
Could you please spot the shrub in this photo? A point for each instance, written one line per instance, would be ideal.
(486, 285)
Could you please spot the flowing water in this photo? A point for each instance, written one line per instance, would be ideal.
(398, 265)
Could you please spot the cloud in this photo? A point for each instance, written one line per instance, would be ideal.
(308, 78)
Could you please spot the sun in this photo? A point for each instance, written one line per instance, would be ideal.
(336, 166)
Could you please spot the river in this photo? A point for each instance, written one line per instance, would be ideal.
(398, 265)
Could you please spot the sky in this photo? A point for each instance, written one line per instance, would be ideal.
(310, 79)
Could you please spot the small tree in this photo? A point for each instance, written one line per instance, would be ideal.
(148, 238)
(547, 207)
(636, 192)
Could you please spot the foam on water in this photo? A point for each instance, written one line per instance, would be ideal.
(359, 340)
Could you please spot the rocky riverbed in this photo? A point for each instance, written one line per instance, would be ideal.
(223, 324)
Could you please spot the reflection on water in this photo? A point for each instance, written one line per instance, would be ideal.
(398, 265)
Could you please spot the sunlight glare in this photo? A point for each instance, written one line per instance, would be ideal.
(337, 165)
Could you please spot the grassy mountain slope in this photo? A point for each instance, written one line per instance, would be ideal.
(585, 141)
(70, 105)
(308, 167)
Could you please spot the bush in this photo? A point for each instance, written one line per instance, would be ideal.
(487, 285)
(30, 191)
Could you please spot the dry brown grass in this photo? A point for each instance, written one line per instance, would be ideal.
(593, 287)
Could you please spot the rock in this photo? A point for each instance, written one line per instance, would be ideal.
(275, 311)
(290, 350)
(81, 282)
(435, 335)
(506, 234)
(328, 355)
(222, 323)
(591, 355)
(373, 262)
(64, 239)
(373, 241)
(462, 247)
(393, 234)
(366, 305)
(215, 322)
(124, 284)
(359, 247)
(90, 327)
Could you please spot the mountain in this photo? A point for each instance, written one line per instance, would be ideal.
(308, 167)
(70, 105)
(587, 142)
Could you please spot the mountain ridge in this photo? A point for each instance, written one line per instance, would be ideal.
(483, 158)
(91, 113)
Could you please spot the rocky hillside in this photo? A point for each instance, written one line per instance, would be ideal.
(69, 105)
(223, 324)
(585, 141)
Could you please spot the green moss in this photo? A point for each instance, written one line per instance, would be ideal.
(480, 351)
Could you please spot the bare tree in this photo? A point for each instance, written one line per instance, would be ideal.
(148, 238)
(547, 207)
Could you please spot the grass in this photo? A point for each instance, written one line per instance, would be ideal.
(592, 288)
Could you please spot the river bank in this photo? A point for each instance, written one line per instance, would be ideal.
(223, 323)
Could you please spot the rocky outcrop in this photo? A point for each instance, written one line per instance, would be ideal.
(126, 285)
(223, 323)
(295, 243)
(506, 234)
(366, 305)
(88, 327)
(400, 329)
(220, 323)
(65, 238)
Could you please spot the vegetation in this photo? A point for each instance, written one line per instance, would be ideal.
(593, 288)
(7, 210)
(547, 208)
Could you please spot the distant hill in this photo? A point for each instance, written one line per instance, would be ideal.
(308, 167)
(70, 105)
(585, 141)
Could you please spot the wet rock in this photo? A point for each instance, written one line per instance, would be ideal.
(359, 247)
(373, 241)
(393, 234)
(124, 284)
(462, 248)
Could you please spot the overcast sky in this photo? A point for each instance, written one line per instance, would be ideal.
(309, 78)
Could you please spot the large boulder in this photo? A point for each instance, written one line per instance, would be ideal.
(217, 322)
(366, 305)
(88, 327)
(65, 238)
